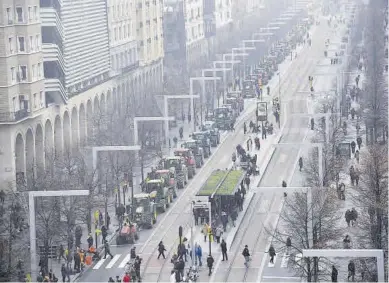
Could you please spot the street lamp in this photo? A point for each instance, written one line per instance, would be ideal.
(203, 79)
(214, 70)
(233, 55)
(224, 62)
(244, 48)
(31, 206)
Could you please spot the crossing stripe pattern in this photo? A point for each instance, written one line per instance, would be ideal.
(118, 261)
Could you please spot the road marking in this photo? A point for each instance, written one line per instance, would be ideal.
(99, 263)
(125, 260)
(113, 261)
(281, 277)
(285, 260)
(274, 262)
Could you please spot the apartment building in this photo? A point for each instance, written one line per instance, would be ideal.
(185, 44)
(63, 61)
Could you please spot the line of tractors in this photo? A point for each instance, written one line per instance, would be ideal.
(161, 185)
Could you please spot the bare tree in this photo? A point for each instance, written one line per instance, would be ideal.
(298, 217)
(12, 237)
(372, 199)
(375, 99)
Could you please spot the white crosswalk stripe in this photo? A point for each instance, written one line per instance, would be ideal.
(124, 261)
(284, 261)
(99, 263)
(113, 261)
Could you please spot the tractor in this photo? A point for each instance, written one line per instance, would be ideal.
(169, 177)
(128, 234)
(214, 131)
(204, 139)
(197, 151)
(181, 170)
(160, 194)
(190, 160)
(145, 211)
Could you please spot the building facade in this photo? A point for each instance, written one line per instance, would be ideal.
(64, 61)
(185, 43)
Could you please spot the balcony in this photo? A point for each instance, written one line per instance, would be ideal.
(51, 52)
(12, 117)
(130, 68)
(50, 18)
(55, 86)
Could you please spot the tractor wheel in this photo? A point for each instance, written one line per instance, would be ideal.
(154, 220)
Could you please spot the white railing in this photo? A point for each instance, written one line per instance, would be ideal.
(50, 18)
(55, 85)
(51, 52)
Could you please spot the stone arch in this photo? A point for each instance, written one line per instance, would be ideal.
(118, 96)
(66, 132)
(102, 102)
(49, 143)
(96, 106)
(75, 128)
(30, 155)
(20, 160)
(82, 124)
(114, 98)
(89, 120)
(109, 101)
(39, 149)
(58, 140)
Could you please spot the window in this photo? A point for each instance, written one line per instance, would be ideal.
(32, 43)
(37, 41)
(120, 33)
(41, 99)
(125, 32)
(9, 16)
(23, 73)
(115, 33)
(34, 100)
(34, 72)
(35, 13)
(13, 75)
(19, 13)
(11, 45)
(14, 103)
(39, 72)
(30, 18)
(21, 44)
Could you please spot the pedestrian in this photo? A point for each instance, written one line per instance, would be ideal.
(101, 221)
(110, 280)
(2, 196)
(246, 255)
(109, 219)
(352, 174)
(353, 216)
(77, 261)
(199, 254)
(137, 263)
(356, 176)
(257, 143)
(357, 155)
(218, 233)
(359, 142)
(348, 217)
(272, 254)
(247, 181)
(223, 247)
(334, 274)
(244, 128)
(288, 245)
(284, 184)
(357, 80)
(181, 132)
(312, 124)
(107, 250)
(353, 147)
(346, 242)
(210, 262)
(90, 241)
(177, 275)
(301, 163)
(104, 233)
(65, 273)
(264, 133)
(351, 271)
(161, 250)
(352, 111)
(205, 231)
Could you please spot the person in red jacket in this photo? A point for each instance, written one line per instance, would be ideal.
(126, 277)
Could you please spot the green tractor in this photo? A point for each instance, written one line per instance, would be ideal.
(159, 193)
(169, 177)
(181, 170)
(204, 138)
(215, 134)
(145, 211)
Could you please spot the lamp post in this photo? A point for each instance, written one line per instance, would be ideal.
(31, 206)
(224, 62)
(244, 61)
(233, 55)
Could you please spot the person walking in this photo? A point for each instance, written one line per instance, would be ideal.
(65, 273)
(353, 216)
(272, 254)
(347, 216)
(247, 181)
(161, 250)
(218, 233)
(90, 241)
(244, 128)
(223, 247)
(288, 245)
(301, 163)
(246, 255)
(357, 155)
(107, 250)
(353, 147)
(359, 142)
(205, 231)
(210, 262)
(198, 254)
(351, 271)
(334, 274)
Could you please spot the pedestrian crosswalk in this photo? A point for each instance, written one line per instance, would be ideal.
(282, 261)
(118, 261)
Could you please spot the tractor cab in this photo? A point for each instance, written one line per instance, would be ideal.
(190, 160)
(249, 89)
(145, 210)
(168, 175)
